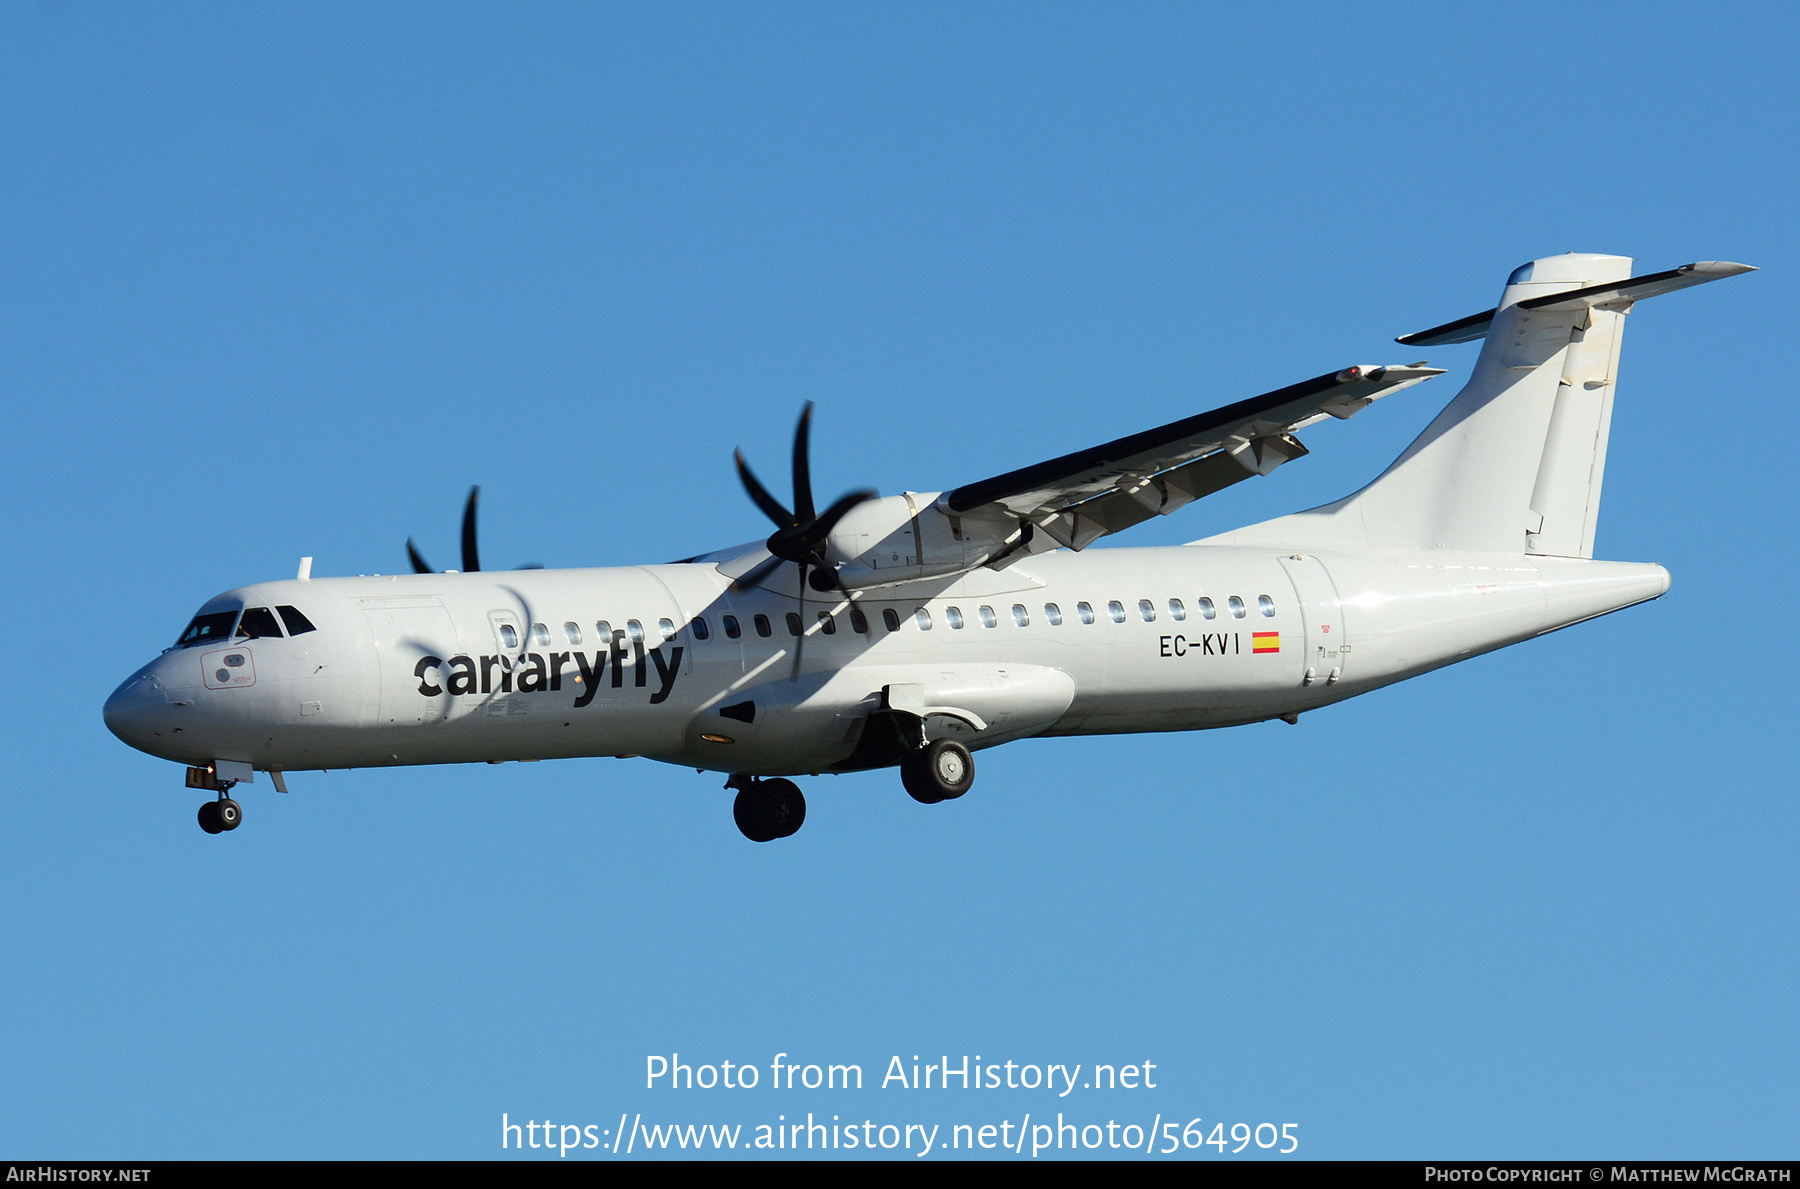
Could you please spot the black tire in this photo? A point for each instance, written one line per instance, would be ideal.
(943, 771)
(782, 806)
(231, 814)
(749, 822)
(918, 782)
(209, 818)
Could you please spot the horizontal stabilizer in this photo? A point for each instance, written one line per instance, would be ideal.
(1623, 293)
(1610, 295)
(1463, 330)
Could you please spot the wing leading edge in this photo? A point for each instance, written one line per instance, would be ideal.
(1083, 496)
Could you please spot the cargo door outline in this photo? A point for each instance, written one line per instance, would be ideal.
(405, 634)
(1324, 635)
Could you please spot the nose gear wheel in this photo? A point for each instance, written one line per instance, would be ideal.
(769, 809)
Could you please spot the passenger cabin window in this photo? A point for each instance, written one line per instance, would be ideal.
(859, 623)
(793, 622)
(1116, 609)
(1207, 610)
(1266, 604)
(954, 617)
(667, 628)
(890, 619)
(762, 626)
(732, 628)
(1237, 607)
(257, 623)
(1177, 611)
(1147, 609)
(1053, 613)
(635, 630)
(827, 624)
(297, 624)
(987, 616)
(509, 636)
(540, 635)
(1021, 616)
(922, 617)
(603, 632)
(1086, 611)
(701, 630)
(205, 629)
(572, 631)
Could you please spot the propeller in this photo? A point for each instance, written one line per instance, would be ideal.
(471, 558)
(800, 535)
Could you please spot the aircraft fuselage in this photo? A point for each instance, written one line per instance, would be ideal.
(670, 663)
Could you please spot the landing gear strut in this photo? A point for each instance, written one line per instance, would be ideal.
(941, 771)
(767, 809)
(224, 814)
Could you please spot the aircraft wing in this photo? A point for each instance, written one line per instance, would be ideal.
(1083, 496)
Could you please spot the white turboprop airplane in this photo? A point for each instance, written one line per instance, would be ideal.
(914, 629)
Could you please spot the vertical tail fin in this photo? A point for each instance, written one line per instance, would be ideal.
(1514, 463)
(1468, 481)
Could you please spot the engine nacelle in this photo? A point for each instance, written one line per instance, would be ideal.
(901, 538)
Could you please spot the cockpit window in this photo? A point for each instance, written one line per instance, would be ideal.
(257, 623)
(207, 629)
(297, 624)
(1520, 274)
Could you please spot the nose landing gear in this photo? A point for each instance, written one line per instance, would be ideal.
(767, 809)
(224, 814)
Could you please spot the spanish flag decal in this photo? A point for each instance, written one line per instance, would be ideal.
(1265, 641)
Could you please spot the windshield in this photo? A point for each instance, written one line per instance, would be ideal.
(206, 629)
(257, 623)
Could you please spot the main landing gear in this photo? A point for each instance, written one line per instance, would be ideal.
(941, 771)
(224, 814)
(767, 809)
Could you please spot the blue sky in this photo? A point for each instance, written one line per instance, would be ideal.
(279, 281)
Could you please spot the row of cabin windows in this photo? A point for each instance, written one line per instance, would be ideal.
(1115, 611)
(603, 632)
(890, 618)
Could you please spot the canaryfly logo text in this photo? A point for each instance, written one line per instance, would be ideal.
(537, 672)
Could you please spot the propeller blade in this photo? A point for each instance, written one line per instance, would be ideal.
(822, 526)
(471, 559)
(800, 640)
(418, 563)
(762, 570)
(769, 504)
(803, 500)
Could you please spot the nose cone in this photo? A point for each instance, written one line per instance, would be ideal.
(136, 709)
